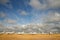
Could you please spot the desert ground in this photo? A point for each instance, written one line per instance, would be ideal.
(29, 36)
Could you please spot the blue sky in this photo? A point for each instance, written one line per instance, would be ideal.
(18, 10)
(29, 12)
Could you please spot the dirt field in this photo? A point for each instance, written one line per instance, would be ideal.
(30, 37)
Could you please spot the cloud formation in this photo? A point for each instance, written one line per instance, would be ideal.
(47, 4)
(22, 12)
(52, 16)
(10, 21)
(46, 22)
(54, 3)
(6, 3)
(36, 4)
(2, 14)
(52, 21)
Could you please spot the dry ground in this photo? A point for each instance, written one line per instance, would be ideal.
(30, 37)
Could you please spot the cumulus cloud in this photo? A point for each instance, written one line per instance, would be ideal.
(10, 21)
(6, 28)
(54, 3)
(6, 3)
(5, 25)
(45, 5)
(22, 12)
(2, 14)
(52, 16)
(36, 4)
(2, 27)
(52, 21)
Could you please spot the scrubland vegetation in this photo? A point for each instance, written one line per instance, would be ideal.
(29, 36)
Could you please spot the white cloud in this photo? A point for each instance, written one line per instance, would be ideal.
(52, 20)
(2, 14)
(36, 4)
(46, 5)
(53, 16)
(22, 12)
(54, 3)
(47, 22)
(10, 21)
(4, 2)
(1, 25)
(5, 25)
(51, 23)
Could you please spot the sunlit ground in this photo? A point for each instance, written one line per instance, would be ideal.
(29, 36)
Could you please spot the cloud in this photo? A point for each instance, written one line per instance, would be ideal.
(7, 25)
(47, 4)
(49, 21)
(22, 12)
(54, 3)
(52, 21)
(5, 28)
(2, 27)
(6, 3)
(2, 14)
(36, 4)
(30, 28)
(53, 16)
(10, 21)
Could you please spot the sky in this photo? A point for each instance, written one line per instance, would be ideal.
(23, 12)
